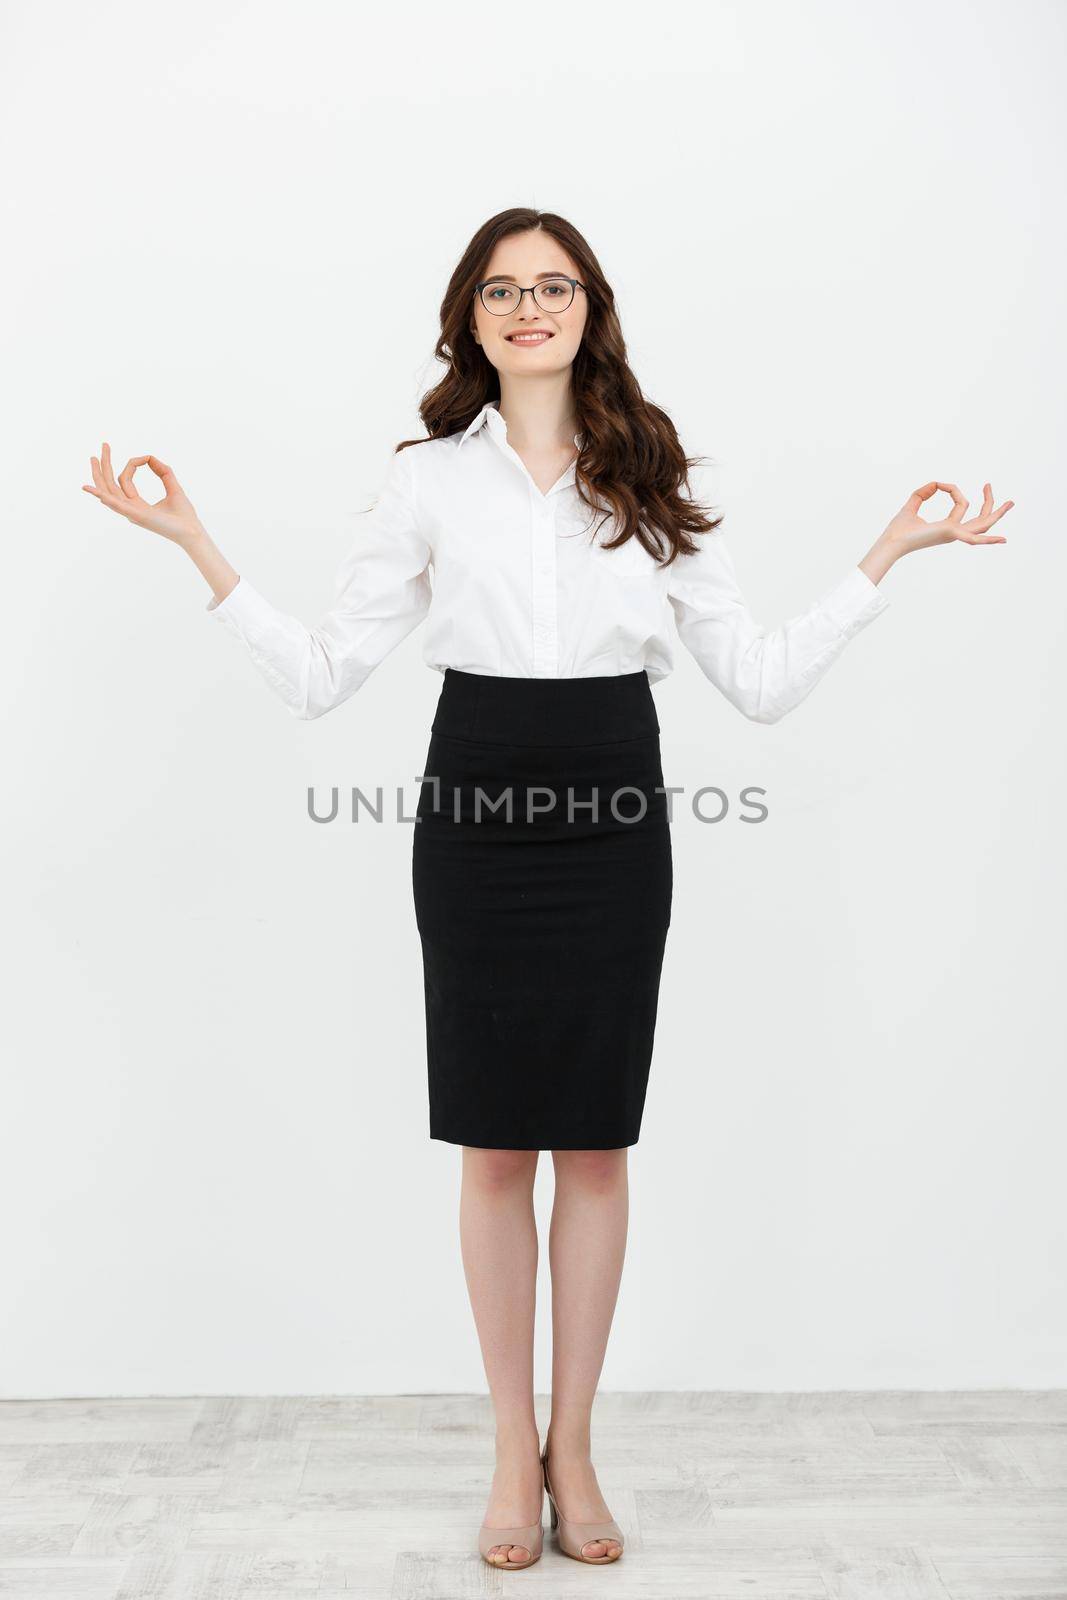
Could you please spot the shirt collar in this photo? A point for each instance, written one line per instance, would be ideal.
(489, 416)
(481, 420)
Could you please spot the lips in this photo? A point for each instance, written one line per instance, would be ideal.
(539, 336)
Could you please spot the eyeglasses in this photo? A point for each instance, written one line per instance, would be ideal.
(553, 294)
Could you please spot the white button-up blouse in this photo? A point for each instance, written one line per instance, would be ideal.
(520, 589)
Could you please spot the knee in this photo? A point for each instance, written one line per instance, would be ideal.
(596, 1171)
(498, 1171)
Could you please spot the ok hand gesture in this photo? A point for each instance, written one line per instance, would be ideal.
(907, 531)
(174, 516)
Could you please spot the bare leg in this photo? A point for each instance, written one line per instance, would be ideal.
(587, 1246)
(498, 1236)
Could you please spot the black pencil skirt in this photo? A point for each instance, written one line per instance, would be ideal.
(542, 879)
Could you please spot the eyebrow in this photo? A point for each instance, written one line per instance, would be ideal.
(505, 277)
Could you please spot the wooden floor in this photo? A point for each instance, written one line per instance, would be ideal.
(836, 1496)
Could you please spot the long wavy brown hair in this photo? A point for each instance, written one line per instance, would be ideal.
(630, 462)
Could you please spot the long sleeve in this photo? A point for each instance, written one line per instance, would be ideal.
(381, 592)
(763, 672)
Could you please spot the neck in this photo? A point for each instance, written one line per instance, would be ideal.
(539, 412)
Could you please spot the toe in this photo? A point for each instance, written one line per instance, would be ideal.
(501, 1554)
(596, 1549)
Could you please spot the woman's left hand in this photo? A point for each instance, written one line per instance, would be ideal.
(907, 531)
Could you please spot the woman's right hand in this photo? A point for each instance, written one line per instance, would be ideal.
(174, 516)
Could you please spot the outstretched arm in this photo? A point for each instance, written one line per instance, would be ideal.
(382, 590)
(767, 672)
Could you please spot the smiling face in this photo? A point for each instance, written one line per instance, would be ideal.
(528, 338)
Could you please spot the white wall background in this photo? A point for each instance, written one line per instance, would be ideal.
(836, 234)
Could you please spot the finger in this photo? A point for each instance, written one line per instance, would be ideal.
(987, 506)
(163, 472)
(126, 483)
(98, 476)
(986, 519)
(105, 463)
(114, 502)
(959, 504)
(915, 500)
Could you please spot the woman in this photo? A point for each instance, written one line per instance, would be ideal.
(548, 500)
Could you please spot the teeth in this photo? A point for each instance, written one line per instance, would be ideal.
(528, 338)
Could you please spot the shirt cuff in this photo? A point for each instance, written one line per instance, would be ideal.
(854, 602)
(244, 609)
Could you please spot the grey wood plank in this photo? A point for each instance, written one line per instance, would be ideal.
(96, 1421)
(90, 1467)
(449, 1578)
(122, 1525)
(888, 1571)
(1041, 1457)
(356, 1416)
(81, 1579)
(989, 1574)
(37, 1539)
(13, 1458)
(258, 1418)
(160, 1575)
(982, 1460)
(42, 1509)
(177, 1468)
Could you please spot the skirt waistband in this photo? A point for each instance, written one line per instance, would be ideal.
(546, 711)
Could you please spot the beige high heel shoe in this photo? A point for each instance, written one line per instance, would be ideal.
(574, 1536)
(531, 1538)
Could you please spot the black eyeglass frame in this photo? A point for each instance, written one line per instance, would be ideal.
(559, 277)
